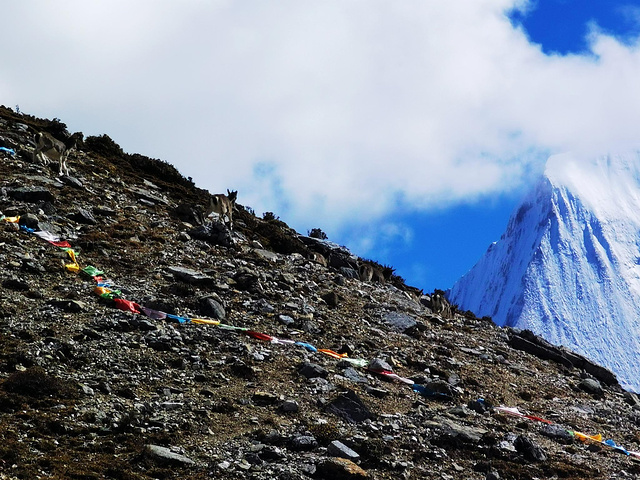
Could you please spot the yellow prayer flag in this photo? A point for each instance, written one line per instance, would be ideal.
(205, 321)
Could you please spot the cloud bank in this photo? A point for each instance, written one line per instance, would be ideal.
(336, 111)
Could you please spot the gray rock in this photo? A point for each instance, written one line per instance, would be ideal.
(165, 455)
(212, 308)
(631, 398)
(265, 398)
(33, 267)
(263, 306)
(15, 284)
(529, 450)
(348, 272)
(290, 406)
(376, 392)
(30, 194)
(303, 443)
(460, 411)
(312, 370)
(83, 216)
(399, 321)
(148, 196)
(287, 278)
(479, 406)
(321, 385)
(339, 449)
(350, 408)
(73, 306)
(29, 220)
(286, 320)
(331, 298)
(558, 433)
(267, 255)
(87, 390)
(340, 468)
(591, 386)
(377, 364)
(247, 279)
(456, 432)
(339, 261)
(355, 376)
(189, 276)
(72, 181)
(215, 233)
(104, 211)
(440, 386)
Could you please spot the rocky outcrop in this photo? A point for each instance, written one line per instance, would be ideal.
(531, 343)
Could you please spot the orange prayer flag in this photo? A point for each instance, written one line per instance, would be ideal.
(331, 353)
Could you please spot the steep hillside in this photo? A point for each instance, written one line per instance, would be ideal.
(154, 347)
(567, 267)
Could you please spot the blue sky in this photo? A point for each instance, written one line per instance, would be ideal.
(408, 131)
(562, 26)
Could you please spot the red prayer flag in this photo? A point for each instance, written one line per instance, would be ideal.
(63, 244)
(126, 305)
(259, 336)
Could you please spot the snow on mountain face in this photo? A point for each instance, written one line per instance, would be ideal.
(568, 265)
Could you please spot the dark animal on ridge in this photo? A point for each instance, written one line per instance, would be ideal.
(49, 148)
(222, 205)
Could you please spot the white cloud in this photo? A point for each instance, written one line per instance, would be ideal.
(349, 104)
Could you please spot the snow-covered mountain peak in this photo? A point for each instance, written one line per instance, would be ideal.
(608, 184)
(568, 265)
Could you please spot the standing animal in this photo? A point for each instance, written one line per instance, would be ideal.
(49, 148)
(223, 205)
(440, 305)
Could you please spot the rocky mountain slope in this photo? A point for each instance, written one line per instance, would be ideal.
(567, 267)
(179, 361)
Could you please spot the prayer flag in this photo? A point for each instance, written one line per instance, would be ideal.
(155, 314)
(126, 305)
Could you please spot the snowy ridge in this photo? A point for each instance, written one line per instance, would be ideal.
(568, 265)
